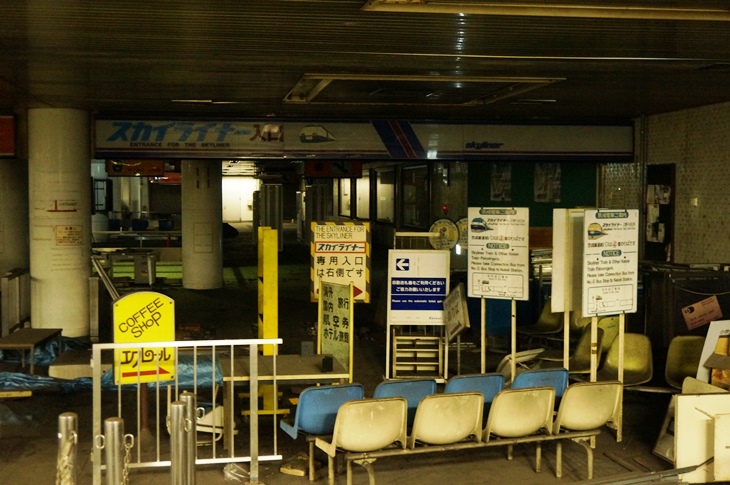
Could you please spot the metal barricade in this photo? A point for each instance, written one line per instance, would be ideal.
(15, 304)
(200, 369)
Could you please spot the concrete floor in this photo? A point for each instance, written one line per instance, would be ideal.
(28, 451)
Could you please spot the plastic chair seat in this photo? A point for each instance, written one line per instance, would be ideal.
(556, 378)
(316, 413)
(489, 385)
(412, 390)
(547, 323)
(443, 419)
(520, 412)
(638, 361)
(580, 361)
(586, 406)
(524, 360)
(366, 425)
(683, 359)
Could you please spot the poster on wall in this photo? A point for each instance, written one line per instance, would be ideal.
(499, 252)
(501, 182)
(547, 182)
(610, 261)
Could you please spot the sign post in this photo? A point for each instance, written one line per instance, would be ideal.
(417, 285)
(499, 261)
(610, 273)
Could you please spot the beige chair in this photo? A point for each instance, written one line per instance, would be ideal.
(683, 359)
(638, 361)
(548, 323)
(366, 425)
(443, 419)
(585, 406)
(609, 325)
(516, 413)
(524, 360)
(580, 361)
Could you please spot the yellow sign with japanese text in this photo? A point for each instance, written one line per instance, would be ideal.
(145, 316)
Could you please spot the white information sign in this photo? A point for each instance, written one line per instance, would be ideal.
(456, 313)
(610, 261)
(417, 284)
(341, 254)
(499, 256)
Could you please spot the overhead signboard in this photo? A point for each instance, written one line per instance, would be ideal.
(377, 139)
(610, 261)
(144, 316)
(499, 253)
(341, 254)
(417, 284)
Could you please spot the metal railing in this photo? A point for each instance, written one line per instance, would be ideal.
(201, 368)
(15, 307)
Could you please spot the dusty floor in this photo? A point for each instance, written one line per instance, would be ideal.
(29, 447)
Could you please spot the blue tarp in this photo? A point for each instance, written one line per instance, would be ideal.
(45, 355)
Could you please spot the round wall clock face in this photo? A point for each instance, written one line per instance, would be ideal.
(448, 234)
(463, 226)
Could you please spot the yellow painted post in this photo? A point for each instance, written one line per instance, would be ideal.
(268, 278)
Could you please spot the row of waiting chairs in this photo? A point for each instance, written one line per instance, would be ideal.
(367, 429)
(318, 405)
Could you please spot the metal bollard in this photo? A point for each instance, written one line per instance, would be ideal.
(68, 428)
(191, 435)
(178, 448)
(114, 450)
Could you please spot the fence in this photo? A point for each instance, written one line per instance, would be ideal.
(15, 290)
(200, 367)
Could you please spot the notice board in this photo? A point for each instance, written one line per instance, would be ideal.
(336, 322)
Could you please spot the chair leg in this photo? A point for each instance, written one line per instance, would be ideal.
(311, 461)
(538, 457)
(559, 460)
(331, 469)
(510, 450)
(589, 456)
(365, 463)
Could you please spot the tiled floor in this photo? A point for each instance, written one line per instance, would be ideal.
(29, 445)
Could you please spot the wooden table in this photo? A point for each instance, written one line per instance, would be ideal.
(290, 369)
(26, 339)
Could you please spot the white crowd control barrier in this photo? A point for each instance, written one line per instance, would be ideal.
(148, 377)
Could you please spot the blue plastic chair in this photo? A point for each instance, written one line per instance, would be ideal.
(488, 384)
(556, 378)
(316, 413)
(412, 390)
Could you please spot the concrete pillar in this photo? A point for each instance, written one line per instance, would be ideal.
(14, 252)
(60, 219)
(202, 224)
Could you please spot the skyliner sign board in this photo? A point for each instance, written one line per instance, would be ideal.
(380, 139)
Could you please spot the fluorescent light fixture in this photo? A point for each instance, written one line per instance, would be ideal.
(708, 10)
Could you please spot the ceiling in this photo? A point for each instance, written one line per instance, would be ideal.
(332, 59)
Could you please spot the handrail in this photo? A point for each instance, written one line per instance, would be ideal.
(108, 284)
